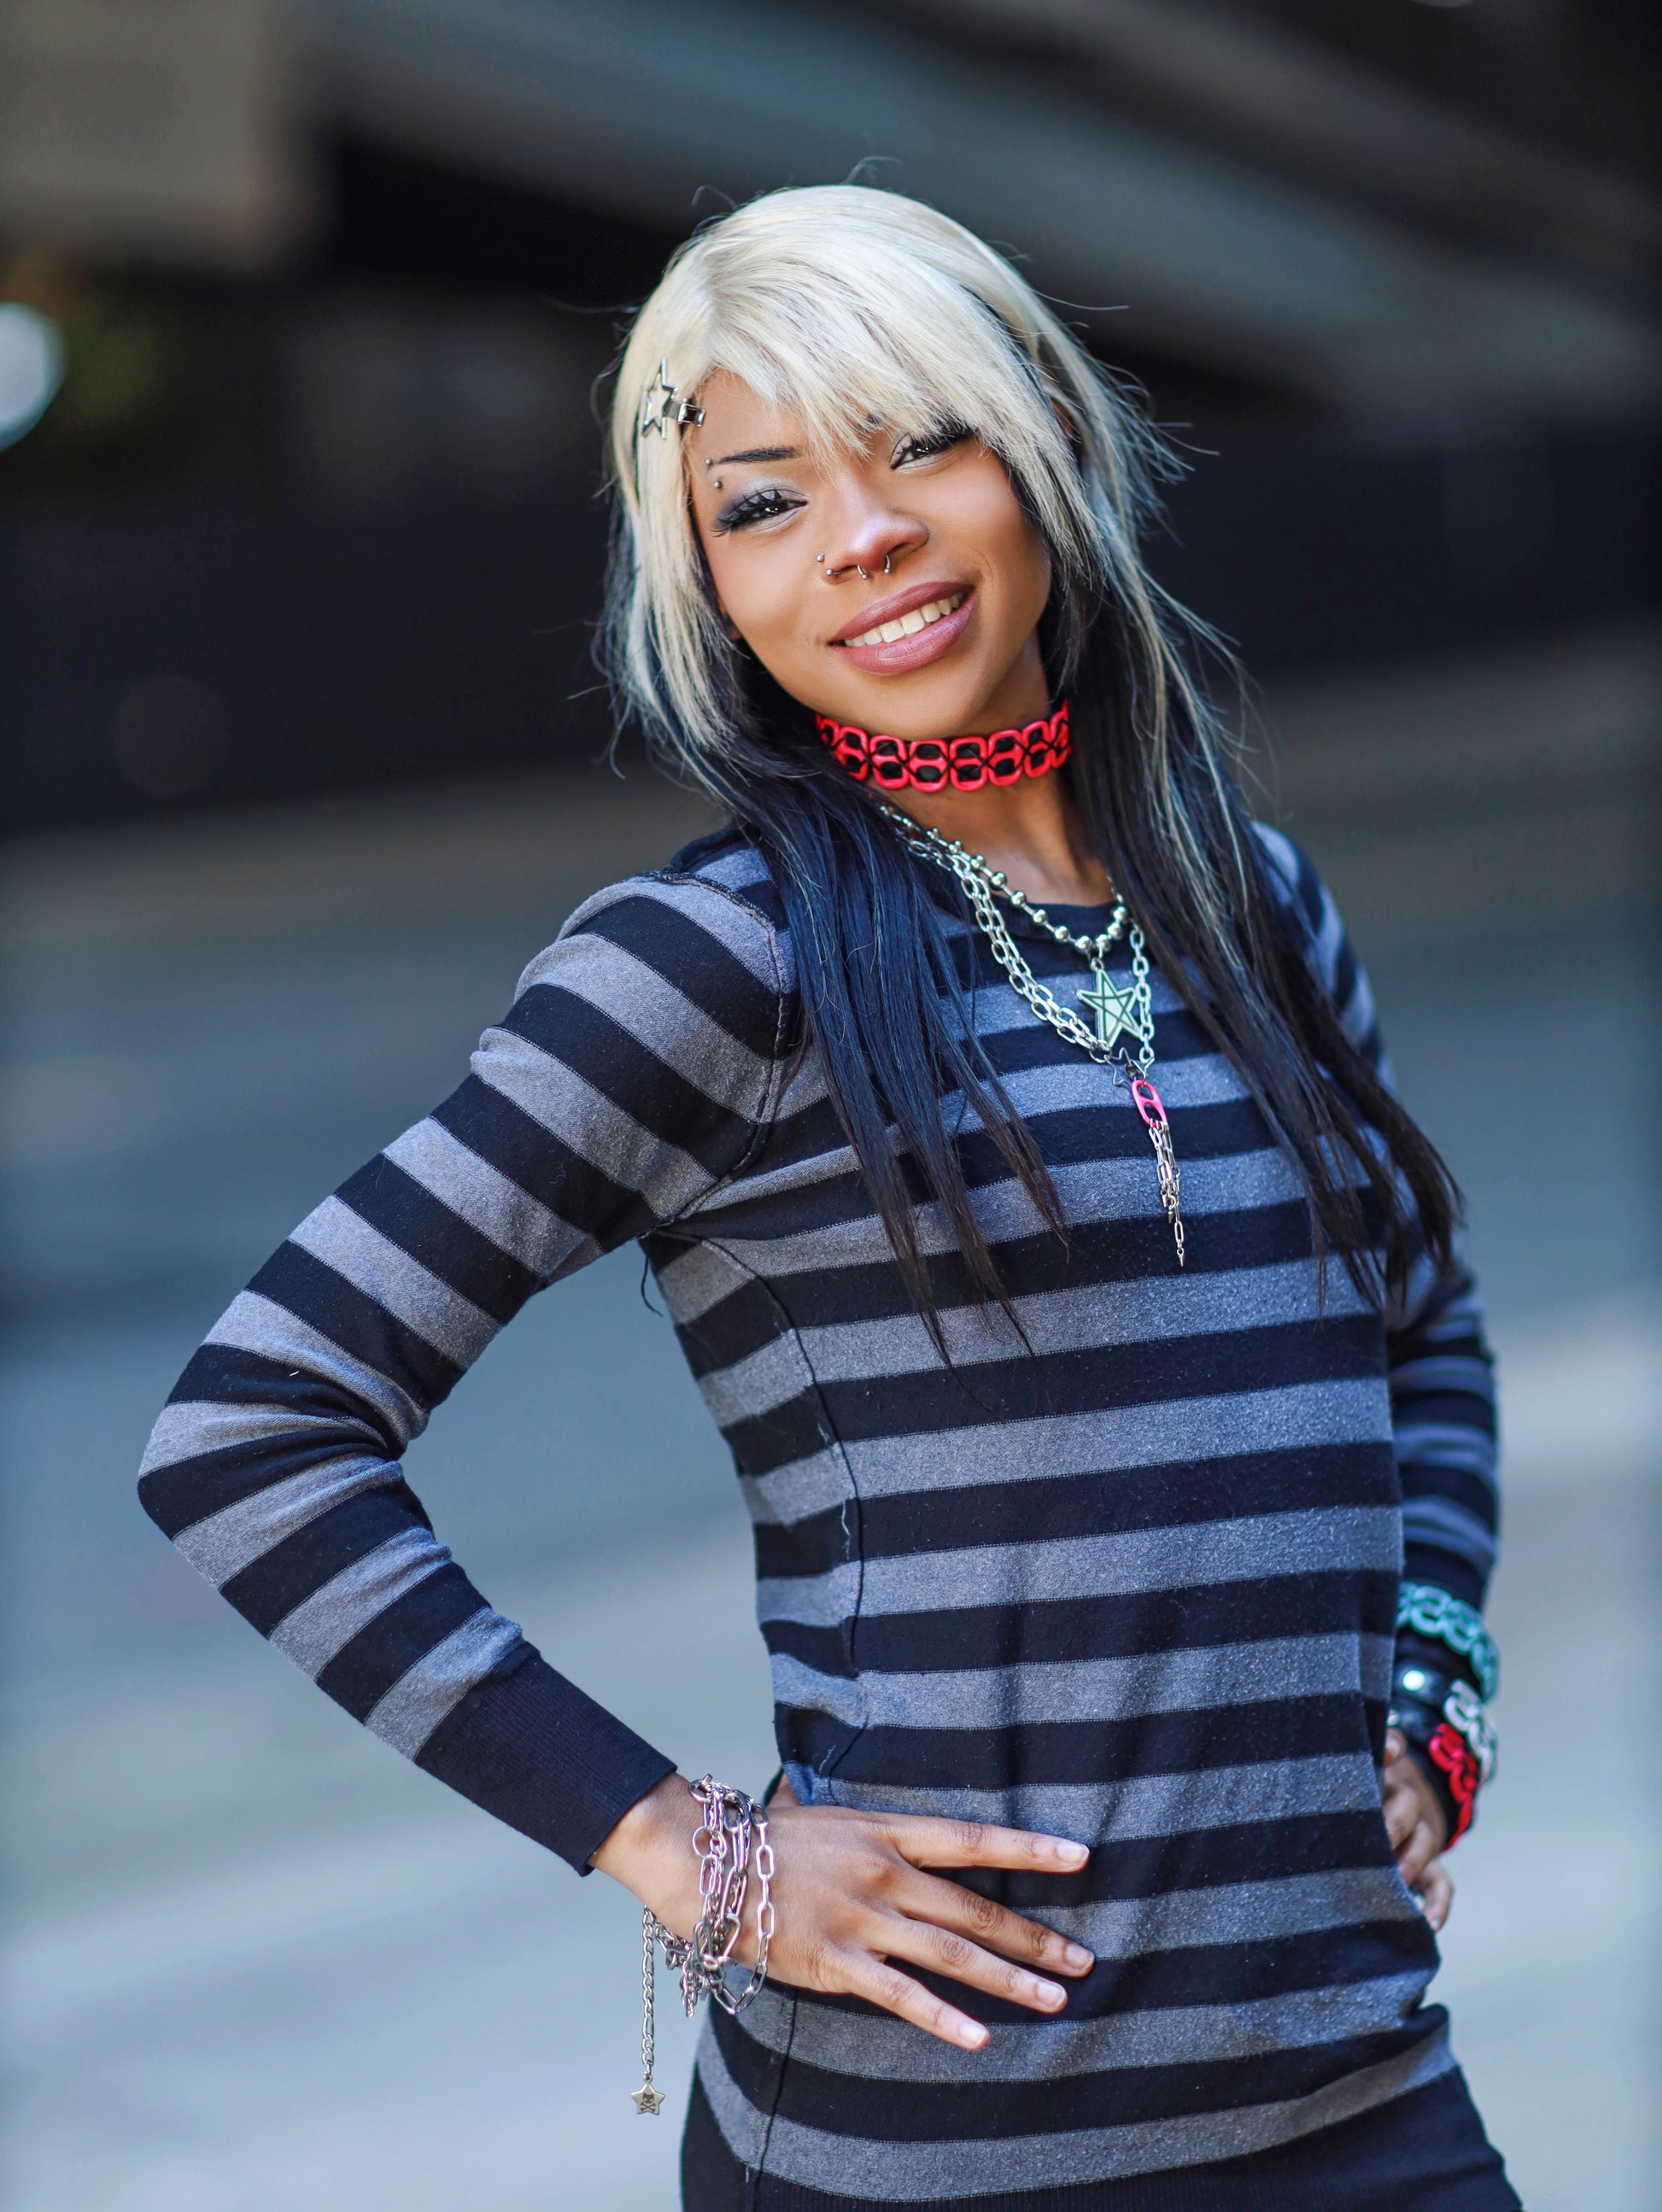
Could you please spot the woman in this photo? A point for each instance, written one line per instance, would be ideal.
(1086, 1443)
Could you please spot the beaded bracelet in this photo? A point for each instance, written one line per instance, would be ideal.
(1442, 1717)
(1448, 1620)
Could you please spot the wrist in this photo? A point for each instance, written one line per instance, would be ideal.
(1449, 1736)
(650, 1851)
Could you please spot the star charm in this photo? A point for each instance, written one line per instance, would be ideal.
(646, 2099)
(659, 401)
(660, 407)
(1114, 1004)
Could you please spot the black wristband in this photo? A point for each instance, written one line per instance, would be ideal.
(1420, 1710)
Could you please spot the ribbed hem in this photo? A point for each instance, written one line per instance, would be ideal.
(535, 1750)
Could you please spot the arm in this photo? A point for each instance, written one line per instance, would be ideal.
(637, 1069)
(1443, 1427)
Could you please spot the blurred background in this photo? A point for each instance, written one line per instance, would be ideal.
(305, 312)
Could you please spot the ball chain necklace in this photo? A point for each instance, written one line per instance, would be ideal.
(1120, 1009)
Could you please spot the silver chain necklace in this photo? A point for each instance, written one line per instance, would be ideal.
(1119, 1008)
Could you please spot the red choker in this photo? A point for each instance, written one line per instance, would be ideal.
(1003, 757)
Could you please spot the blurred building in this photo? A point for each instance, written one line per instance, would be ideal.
(325, 290)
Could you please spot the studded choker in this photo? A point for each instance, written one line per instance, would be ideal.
(965, 763)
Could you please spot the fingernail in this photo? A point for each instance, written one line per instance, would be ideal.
(1074, 1854)
(972, 2034)
(1049, 1994)
(1077, 1955)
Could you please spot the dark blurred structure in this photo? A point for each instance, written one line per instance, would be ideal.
(335, 282)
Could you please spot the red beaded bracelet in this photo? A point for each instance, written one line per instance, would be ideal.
(965, 764)
(1449, 1750)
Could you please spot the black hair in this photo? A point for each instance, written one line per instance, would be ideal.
(887, 1003)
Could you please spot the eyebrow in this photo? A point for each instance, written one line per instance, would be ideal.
(758, 454)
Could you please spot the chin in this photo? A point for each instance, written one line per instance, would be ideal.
(911, 706)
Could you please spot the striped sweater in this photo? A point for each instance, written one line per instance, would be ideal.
(1136, 1585)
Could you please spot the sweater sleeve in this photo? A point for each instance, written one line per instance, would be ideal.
(1441, 1372)
(638, 1067)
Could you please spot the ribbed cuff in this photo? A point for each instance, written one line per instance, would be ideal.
(535, 1750)
(1430, 1563)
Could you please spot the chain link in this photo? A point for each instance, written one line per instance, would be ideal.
(983, 886)
(732, 1837)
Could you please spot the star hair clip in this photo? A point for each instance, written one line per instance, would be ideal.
(660, 407)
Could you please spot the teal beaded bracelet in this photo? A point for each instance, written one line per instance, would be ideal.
(1448, 1620)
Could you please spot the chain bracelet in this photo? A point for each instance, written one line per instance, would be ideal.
(732, 1837)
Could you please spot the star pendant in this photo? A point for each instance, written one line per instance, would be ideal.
(1114, 1004)
(646, 2099)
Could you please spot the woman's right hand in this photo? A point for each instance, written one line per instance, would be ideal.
(851, 1897)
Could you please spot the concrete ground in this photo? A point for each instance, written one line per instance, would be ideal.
(253, 1962)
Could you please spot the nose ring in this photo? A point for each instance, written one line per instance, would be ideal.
(864, 575)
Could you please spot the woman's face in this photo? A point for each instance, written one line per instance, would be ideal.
(968, 575)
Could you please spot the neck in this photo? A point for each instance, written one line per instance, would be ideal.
(1032, 830)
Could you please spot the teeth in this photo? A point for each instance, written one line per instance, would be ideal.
(908, 625)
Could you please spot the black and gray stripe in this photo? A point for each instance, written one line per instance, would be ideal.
(1134, 1579)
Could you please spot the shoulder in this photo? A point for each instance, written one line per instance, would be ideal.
(703, 934)
(1292, 877)
(1296, 885)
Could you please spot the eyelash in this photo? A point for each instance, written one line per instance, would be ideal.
(766, 502)
(758, 505)
(925, 446)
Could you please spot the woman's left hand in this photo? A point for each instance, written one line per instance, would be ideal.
(1415, 1823)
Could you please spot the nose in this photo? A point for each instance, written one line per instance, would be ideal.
(870, 538)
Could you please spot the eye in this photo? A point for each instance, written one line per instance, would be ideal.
(764, 504)
(925, 445)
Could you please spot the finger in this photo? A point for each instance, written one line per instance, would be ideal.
(930, 1842)
(943, 1952)
(1402, 1816)
(949, 1904)
(884, 1985)
(1436, 1894)
(1418, 1854)
(1396, 1746)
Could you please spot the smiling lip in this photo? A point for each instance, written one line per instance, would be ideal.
(891, 609)
(897, 656)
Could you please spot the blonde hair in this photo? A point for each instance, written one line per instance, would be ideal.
(848, 305)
